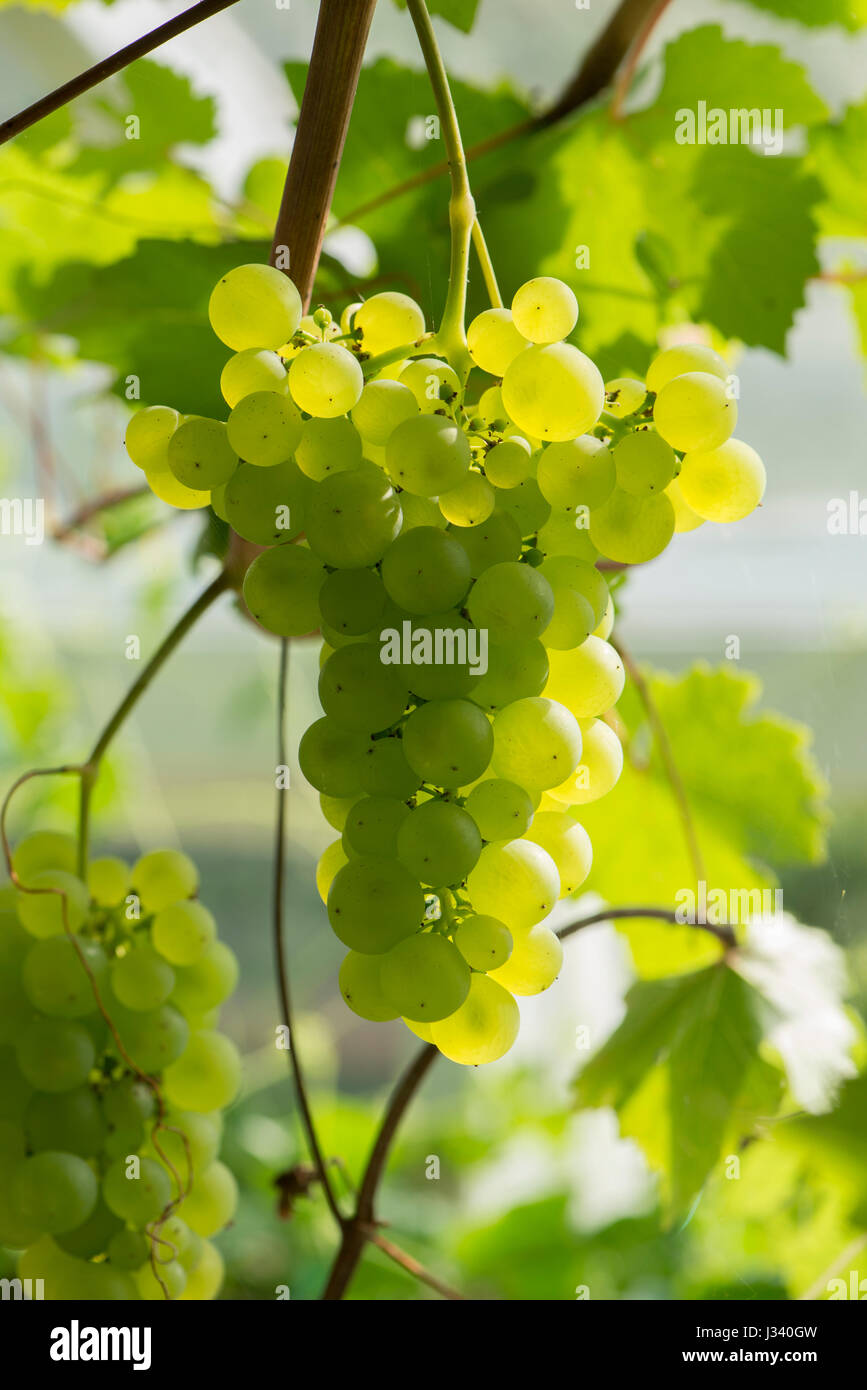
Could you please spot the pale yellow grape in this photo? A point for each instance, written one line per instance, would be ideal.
(107, 880)
(724, 484)
(331, 861)
(685, 519)
(328, 446)
(382, 406)
(537, 743)
(534, 964)
(483, 1028)
(387, 320)
(325, 380)
(433, 383)
(509, 462)
(346, 325)
(599, 769)
(200, 454)
(206, 1277)
(632, 529)
(420, 511)
(644, 463)
(484, 942)
(554, 392)
(494, 341)
(421, 1030)
(694, 412)
(254, 369)
(470, 503)
(588, 680)
(148, 434)
(606, 624)
(623, 396)
(687, 357)
(254, 306)
(490, 406)
(211, 1201)
(576, 472)
(568, 844)
(393, 371)
(164, 485)
(544, 310)
(515, 881)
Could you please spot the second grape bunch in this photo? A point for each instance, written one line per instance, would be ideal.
(444, 538)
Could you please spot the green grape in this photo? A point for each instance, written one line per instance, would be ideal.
(353, 601)
(15, 1007)
(325, 380)
(154, 1038)
(330, 757)
(373, 903)
(483, 1028)
(432, 382)
(568, 844)
(494, 542)
(170, 1278)
(511, 600)
(509, 463)
(426, 570)
(537, 743)
(254, 369)
(148, 433)
(44, 849)
(545, 310)
(107, 880)
(685, 519)
(501, 809)
(439, 666)
(448, 742)
(353, 517)
(584, 578)
(526, 504)
(142, 979)
(534, 963)
(207, 983)
(483, 942)
(358, 692)
(599, 769)
(176, 1239)
(427, 455)
(207, 1076)
(623, 396)
(386, 320)
(361, 988)
(185, 1139)
(328, 446)
(605, 626)
(254, 306)
(490, 409)
(129, 1249)
(588, 680)
(677, 361)
(494, 341)
(13, 1147)
(204, 1281)
(470, 503)
(385, 770)
(269, 505)
(331, 859)
(201, 454)
(211, 1203)
(164, 876)
(60, 905)
(372, 826)
(632, 530)
(55, 1054)
(54, 1192)
(336, 809)
(425, 977)
(573, 619)
(382, 406)
(126, 1107)
(566, 533)
(264, 429)
(182, 933)
(516, 670)
(56, 981)
(164, 485)
(16, 1092)
(576, 472)
(439, 843)
(694, 412)
(70, 1122)
(553, 392)
(516, 882)
(281, 590)
(723, 484)
(89, 1239)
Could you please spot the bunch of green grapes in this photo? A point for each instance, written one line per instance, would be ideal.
(415, 514)
(114, 1075)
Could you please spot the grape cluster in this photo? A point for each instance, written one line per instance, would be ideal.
(398, 504)
(81, 1099)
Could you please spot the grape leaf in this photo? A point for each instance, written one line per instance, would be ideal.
(837, 156)
(460, 13)
(850, 14)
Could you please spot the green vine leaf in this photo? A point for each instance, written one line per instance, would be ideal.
(849, 14)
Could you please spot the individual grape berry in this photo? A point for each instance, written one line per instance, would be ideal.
(511, 600)
(553, 392)
(483, 942)
(57, 902)
(576, 473)
(362, 989)
(483, 1028)
(181, 934)
(373, 903)
(328, 446)
(439, 843)
(723, 484)
(387, 320)
(254, 369)
(427, 455)
(200, 454)
(470, 503)
(632, 530)
(494, 342)
(382, 406)
(568, 844)
(517, 882)
(426, 570)
(588, 680)
(448, 742)
(267, 505)
(281, 590)
(545, 310)
(164, 876)
(425, 977)
(501, 809)
(352, 518)
(509, 462)
(433, 383)
(325, 380)
(695, 412)
(148, 434)
(623, 396)
(686, 357)
(254, 306)
(264, 429)
(534, 963)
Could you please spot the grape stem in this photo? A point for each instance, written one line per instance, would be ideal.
(487, 266)
(371, 365)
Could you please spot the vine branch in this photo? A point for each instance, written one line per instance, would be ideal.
(108, 67)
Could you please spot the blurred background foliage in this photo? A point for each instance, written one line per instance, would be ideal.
(714, 1147)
